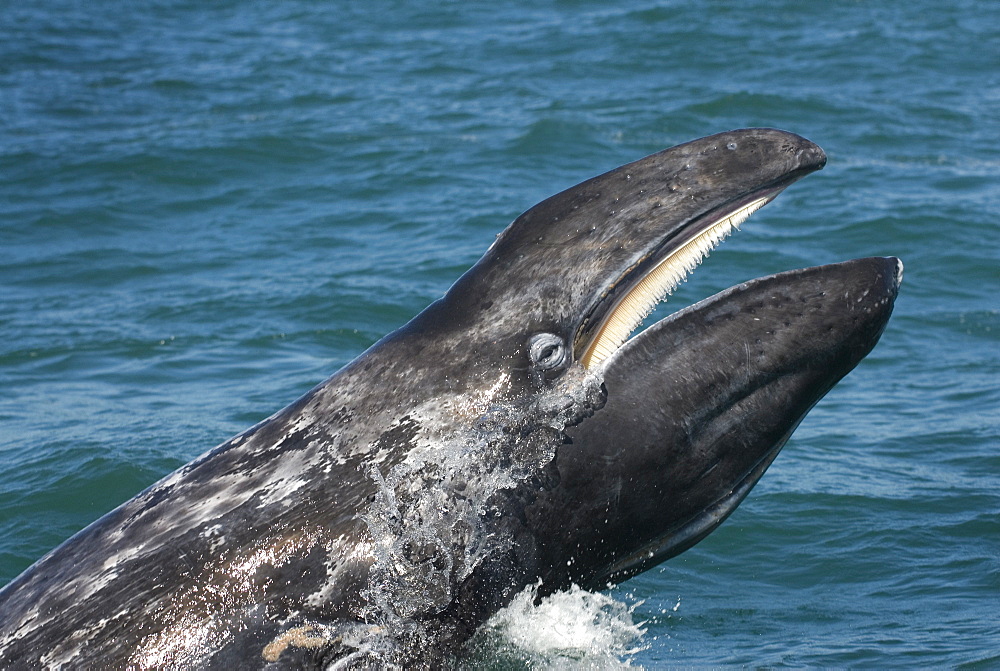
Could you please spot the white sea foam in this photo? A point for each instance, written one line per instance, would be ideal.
(570, 629)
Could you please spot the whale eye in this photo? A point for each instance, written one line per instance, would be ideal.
(547, 351)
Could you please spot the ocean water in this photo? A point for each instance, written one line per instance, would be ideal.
(207, 208)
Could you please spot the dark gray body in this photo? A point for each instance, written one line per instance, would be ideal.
(383, 516)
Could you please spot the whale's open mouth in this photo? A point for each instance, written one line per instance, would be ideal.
(633, 296)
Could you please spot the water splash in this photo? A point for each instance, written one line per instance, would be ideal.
(567, 630)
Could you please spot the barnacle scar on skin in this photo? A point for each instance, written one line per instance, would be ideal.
(308, 636)
(305, 636)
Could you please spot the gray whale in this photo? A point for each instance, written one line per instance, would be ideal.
(510, 434)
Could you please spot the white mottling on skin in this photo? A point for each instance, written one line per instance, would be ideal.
(343, 555)
(201, 616)
(181, 644)
(213, 530)
(288, 478)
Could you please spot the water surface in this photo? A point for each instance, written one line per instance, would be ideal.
(206, 209)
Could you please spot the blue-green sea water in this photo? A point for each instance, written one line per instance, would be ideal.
(208, 208)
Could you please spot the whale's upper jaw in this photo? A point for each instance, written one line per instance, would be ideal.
(688, 240)
(587, 263)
